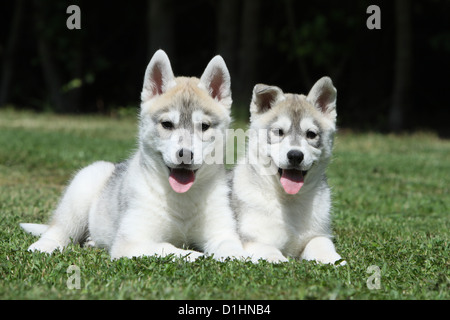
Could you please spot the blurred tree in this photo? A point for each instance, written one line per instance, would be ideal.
(161, 25)
(238, 42)
(248, 52)
(403, 65)
(227, 31)
(8, 58)
(49, 69)
(60, 56)
(291, 24)
(288, 43)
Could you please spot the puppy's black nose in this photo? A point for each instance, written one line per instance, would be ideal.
(185, 156)
(295, 157)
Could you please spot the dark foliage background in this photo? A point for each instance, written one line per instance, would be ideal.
(390, 79)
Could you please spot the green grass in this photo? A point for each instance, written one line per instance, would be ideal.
(391, 209)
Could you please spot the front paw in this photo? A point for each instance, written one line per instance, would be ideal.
(265, 252)
(191, 256)
(45, 245)
(326, 258)
(322, 250)
(232, 255)
(271, 258)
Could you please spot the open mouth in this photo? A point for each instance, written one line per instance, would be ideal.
(181, 179)
(292, 180)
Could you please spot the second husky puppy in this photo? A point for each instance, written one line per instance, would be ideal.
(281, 198)
(165, 198)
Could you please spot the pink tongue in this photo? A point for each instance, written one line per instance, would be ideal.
(181, 180)
(291, 180)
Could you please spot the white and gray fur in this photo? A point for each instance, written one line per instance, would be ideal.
(129, 208)
(275, 225)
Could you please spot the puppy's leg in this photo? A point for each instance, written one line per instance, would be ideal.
(70, 219)
(321, 249)
(218, 236)
(264, 251)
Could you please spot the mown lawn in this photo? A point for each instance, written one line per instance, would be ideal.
(391, 211)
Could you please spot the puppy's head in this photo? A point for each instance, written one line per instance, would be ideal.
(181, 116)
(299, 130)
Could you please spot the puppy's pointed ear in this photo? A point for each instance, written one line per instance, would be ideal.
(158, 76)
(323, 96)
(265, 97)
(216, 81)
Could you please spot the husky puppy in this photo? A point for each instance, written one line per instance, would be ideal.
(280, 195)
(166, 199)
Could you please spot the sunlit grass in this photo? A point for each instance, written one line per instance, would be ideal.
(391, 209)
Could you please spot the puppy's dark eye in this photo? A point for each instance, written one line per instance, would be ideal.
(205, 126)
(311, 135)
(278, 132)
(167, 125)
